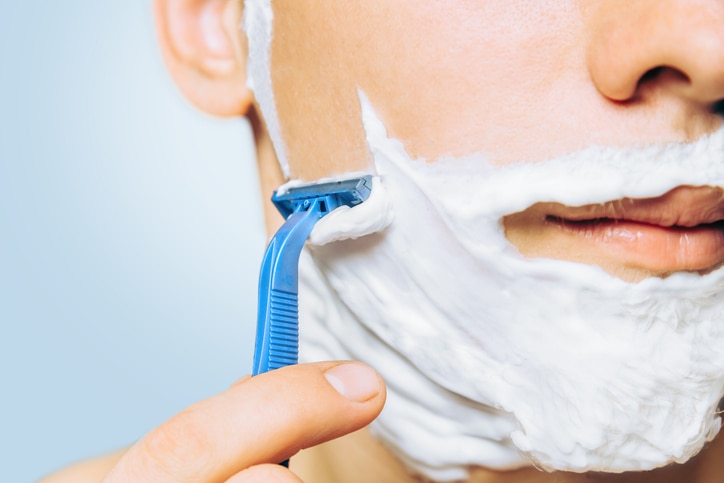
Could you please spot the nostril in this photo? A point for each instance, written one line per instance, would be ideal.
(659, 76)
(649, 78)
(718, 108)
(651, 74)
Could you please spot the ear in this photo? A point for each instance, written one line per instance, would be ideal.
(205, 50)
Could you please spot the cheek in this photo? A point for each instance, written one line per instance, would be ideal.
(447, 78)
(476, 77)
(315, 89)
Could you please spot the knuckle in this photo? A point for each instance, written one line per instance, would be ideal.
(181, 445)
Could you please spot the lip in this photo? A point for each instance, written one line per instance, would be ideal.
(685, 206)
(681, 231)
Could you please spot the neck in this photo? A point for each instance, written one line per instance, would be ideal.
(346, 459)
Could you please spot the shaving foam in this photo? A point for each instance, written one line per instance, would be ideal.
(258, 23)
(495, 360)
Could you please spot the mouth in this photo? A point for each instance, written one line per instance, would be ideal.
(681, 231)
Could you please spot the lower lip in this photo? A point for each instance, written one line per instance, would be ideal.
(658, 249)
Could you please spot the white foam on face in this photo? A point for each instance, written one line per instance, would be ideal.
(372, 216)
(496, 360)
(258, 23)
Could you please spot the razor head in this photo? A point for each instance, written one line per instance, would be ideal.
(346, 192)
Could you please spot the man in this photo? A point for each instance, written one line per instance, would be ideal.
(543, 291)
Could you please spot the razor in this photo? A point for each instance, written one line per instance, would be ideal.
(277, 332)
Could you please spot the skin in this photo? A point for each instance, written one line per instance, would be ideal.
(518, 80)
(506, 79)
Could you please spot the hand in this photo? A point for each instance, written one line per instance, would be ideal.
(240, 434)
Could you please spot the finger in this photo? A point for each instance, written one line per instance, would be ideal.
(264, 419)
(265, 474)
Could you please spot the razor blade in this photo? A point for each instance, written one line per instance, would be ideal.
(277, 336)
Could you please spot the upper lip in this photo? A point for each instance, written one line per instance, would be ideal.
(685, 206)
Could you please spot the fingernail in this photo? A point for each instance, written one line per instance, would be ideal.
(356, 382)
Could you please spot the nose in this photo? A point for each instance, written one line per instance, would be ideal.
(675, 46)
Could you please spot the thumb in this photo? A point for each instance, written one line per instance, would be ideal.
(264, 419)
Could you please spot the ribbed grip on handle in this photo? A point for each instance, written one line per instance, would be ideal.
(283, 329)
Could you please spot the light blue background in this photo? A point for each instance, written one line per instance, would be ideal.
(130, 236)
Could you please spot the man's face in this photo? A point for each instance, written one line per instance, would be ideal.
(520, 80)
(582, 127)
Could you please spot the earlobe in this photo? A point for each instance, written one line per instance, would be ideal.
(205, 52)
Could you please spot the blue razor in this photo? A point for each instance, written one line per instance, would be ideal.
(277, 331)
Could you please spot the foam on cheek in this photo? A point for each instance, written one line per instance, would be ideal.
(495, 360)
(258, 24)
